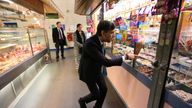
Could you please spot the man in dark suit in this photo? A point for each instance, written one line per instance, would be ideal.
(92, 62)
(59, 39)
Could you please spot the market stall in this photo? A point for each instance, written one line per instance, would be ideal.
(148, 29)
(137, 30)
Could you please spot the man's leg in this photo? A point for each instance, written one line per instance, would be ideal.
(103, 91)
(57, 51)
(62, 51)
(94, 95)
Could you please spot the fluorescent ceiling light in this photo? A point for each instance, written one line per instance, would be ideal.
(35, 18)
(9, 1)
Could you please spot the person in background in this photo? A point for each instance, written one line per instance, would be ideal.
(59, 39)
(79, 39)
(92, 62)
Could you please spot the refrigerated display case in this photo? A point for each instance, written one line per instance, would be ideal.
(19, 48)
(14, 48)
(38, 40)
(24, 49)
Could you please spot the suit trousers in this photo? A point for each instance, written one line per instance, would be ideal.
(98, 91)
(61, 45)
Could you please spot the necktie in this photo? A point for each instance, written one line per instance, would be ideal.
(60, 34)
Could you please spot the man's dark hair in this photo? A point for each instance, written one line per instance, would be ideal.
(78, 25)
(58, 22)
(104, 25)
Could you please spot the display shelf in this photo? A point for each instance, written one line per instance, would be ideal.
(175, 68)
(12, 73)
(138, 75)
(187, 8)
(4, 46)
(9, 30)
(151, 54)
(169, 97)
(189, 53)
(10, 9)
(151, 60)
(174, 100)
(172, 77)
(12, 18)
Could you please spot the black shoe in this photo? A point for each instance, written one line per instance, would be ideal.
(63, 57)
(82, 104)
(96, 107)
(57, 59)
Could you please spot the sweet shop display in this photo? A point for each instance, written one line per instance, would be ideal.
(145, 69)
(122, 49)
(185, 37)
(183, 95)
(181, 61)
(179, 77)
(180, 67)
(187, 5)
(189, 84)
(148, 53)
(136, 32)
(147, 31)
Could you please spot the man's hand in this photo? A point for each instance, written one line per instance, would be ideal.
(130, 56)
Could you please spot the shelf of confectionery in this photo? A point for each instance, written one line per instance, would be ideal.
(181, 78)
(178, 93)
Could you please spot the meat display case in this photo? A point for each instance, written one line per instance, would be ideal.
(19, 49)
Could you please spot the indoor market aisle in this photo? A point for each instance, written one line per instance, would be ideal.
(58, 86)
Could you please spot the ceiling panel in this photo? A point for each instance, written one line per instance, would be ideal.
(87, 7)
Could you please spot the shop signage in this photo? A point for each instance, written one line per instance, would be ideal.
(52, 15)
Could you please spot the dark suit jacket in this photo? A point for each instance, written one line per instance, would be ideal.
(79, 39)
(93, 59)
(55, 36)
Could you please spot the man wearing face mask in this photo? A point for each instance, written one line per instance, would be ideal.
(59, 39)
(92, 62)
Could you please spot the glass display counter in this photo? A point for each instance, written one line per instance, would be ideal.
(19, 48)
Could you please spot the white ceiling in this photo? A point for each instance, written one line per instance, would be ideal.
(65, 6)
(66, 9)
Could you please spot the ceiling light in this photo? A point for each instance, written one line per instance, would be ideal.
(9, 1)
(35, 18)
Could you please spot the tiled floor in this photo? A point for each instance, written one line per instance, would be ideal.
(58, 86)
